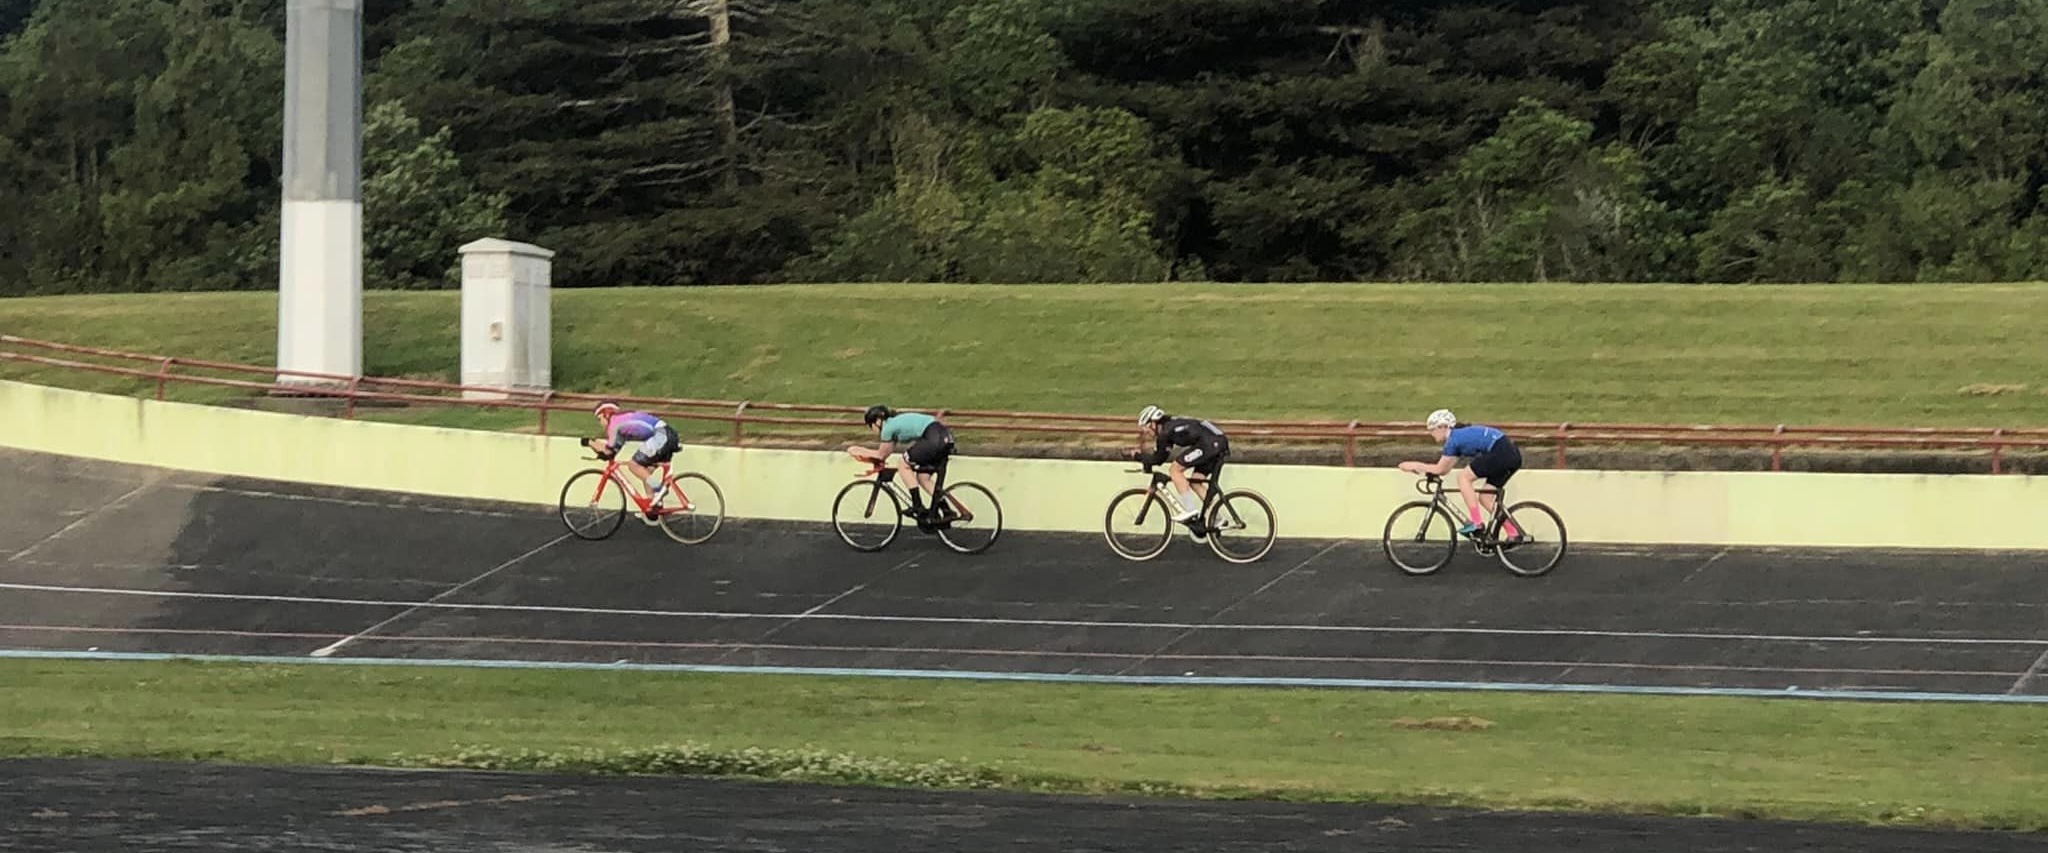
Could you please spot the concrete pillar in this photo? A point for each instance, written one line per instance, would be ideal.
(505, 292)
(320, 269)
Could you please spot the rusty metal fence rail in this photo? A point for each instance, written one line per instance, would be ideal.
(160, 372)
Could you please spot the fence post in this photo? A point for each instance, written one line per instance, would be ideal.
(1997, 450)
(739, 438)
(1351, 445)
(349, 412)
(1778, 449)
(163, 375)
(1563, 431)
(547, 399)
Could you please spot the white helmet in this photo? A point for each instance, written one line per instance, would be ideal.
(1150, 414)
(1441, 418)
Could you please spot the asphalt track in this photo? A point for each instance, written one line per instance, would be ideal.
(99, 559)
(104, 807)
(122, 559)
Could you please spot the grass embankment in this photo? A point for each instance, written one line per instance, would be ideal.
(1808, 354)
(1949, 764)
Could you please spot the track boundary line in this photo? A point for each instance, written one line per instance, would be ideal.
(1073, 678)
(1042, 623)
(330, 649)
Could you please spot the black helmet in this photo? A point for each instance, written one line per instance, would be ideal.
(877, 413)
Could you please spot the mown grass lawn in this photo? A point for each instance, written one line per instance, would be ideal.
(1956, 764)
(1948, 355)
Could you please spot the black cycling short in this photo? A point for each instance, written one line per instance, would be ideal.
(1498, 463)
(1205, 457)
(931, 450)
(661, 451)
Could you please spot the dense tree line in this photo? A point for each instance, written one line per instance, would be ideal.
(655, 142)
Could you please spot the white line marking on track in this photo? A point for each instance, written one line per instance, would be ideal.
(714, 645)
(2020, 686)
(815, 609)
(324, 651)
(81, 519)
(432, 604)
(1228, 607)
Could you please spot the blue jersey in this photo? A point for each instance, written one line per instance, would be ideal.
(1468, 441)
(908, 426)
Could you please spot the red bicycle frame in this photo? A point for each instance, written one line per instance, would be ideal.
(611, 475)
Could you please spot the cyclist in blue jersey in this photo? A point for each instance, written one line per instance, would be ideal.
(658, 443)
(1495, 459)
(927, 446)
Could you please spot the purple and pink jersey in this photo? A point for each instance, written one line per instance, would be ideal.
(633, 426)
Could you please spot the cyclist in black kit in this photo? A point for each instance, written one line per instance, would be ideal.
(1203, 449)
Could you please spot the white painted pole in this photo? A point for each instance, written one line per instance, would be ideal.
(320, 271)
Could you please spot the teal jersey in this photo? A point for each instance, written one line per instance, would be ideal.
(906, 427)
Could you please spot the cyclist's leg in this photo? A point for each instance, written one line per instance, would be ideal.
(1191, 507)
(1501, 465)
(910, 479)
(1474, 502)
(665, 457)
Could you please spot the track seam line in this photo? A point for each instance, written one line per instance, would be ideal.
(1703, 566)
(1231, 606)
(2040, 665)
(815, 609)
(83, 518)
(324, 651)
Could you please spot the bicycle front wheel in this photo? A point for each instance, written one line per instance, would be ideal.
(1241, 527)
(975, 530)
(866, 516)
(1137, 525)
(1420, 537)
(1532, 539)
(593, 505)
(696, 525)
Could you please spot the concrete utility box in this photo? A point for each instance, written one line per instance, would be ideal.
(505, 316)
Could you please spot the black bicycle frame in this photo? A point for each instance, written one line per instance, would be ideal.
(1491, 528)
(1209, 497)
(887, 475)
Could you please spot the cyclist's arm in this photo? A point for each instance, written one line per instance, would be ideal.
(1439, 468)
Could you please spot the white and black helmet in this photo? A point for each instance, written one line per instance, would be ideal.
(1441, 418)
(1150, 414)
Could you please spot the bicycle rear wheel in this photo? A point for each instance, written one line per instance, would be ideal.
(593, 505)
(867, 518)
(974, 533)
(1420, 537)
(696, 525)
(1241, 527)
(1538, 542)
(1137, 525)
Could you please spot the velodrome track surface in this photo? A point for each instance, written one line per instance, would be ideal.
(103, 559)
(133, 560)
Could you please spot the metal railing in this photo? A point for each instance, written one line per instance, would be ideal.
(160, 372)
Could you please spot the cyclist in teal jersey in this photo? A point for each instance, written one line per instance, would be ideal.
(1495, 459)
(927, 446)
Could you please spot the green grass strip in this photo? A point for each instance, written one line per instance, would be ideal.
(1951, 355)
(1899, 763)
